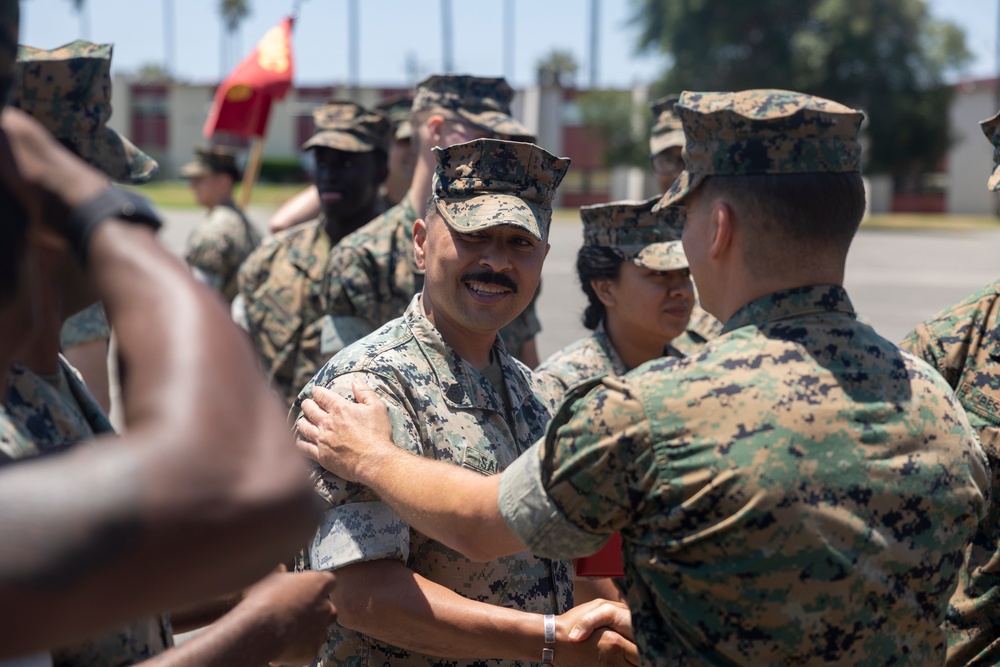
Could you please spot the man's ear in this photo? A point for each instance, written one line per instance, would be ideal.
(602, 288)
(723, 220)
(435, 125)
(419, 238)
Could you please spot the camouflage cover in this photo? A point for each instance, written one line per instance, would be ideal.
(399, 109)
(88, 325)
(667, 131)
(219, 245)
(350, 127)
(647, 238)
(489, 182)
(800, 493)
(212, 160)
(484, 102)
(40, 419)
(991, 128)
(443, 408)
(68, 90)
(763, 132)
(963, 343)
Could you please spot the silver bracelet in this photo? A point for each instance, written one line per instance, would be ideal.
(548, 655)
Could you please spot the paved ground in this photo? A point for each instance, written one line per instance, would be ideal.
(896, 278)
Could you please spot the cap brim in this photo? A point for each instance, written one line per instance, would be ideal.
(499, 124)
(994, 183)
(662, 142)
(404, 131)
(484, 211)
(342, 141)
(116, 156)
(668, 256)
(681, 188)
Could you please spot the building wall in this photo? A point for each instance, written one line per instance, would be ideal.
(970, 158)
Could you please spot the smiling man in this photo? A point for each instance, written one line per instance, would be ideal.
(457, 395)
(282, 285)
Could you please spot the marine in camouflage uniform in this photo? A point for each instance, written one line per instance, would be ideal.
(285, 284)
(88, 325)
(647, 239)
(377, 277)
(218, 245)
(801, 493)
(443, 407)
(666, 143)
(68, 90)
(963, 343)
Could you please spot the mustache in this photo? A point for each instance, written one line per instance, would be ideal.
(488, 277)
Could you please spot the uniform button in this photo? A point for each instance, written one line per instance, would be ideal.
(455, 393)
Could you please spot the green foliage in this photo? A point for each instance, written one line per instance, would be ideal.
(623, 127)
(281, 170)
(558, 68)
(886, 57)
(233, 12)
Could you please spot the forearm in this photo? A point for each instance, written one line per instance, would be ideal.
(300, 208)
(467, 518)
(385, 600)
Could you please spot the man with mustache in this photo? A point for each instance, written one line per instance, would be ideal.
(283, 284)
(456, 395)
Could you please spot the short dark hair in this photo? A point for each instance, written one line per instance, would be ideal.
(792, 215)
(596, 263)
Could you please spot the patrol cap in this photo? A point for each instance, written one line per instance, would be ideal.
(991, 128)
(484, 102)
(647, 238)
(212, 160)
(399, 109)
(9, 16)
(489, 182)
(667, 131)
(68, 90)
(350, 127)
(763, 132)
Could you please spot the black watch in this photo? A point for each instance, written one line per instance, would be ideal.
(110, 203)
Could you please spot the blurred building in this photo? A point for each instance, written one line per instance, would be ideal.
(970, 158)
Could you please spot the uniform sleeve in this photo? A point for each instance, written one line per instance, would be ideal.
(351, 301)
(586, 479)
(357, 526)
(213, 249)
(928, 344)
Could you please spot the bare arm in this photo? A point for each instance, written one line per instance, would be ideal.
(303, 207)
(354, 441)
(203, 492)
(384, 599)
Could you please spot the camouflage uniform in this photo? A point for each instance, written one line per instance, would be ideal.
(963, 343)
(667, 133)
(799, 493)
(286, 283)
(219, 245)
(444, 408)
(43, 417)
(88, 325)
(638, 235)
(376, 273)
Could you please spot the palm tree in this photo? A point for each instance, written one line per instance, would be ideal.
(558, 68)
(80, 6)
(232, 13)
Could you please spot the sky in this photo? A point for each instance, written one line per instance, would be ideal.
(400, 40)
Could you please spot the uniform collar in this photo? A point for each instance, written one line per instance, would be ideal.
(798, 302)
(618, 367)
(461, 384)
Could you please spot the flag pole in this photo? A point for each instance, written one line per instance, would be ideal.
(252, 171)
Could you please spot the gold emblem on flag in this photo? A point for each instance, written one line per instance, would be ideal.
(239, 93)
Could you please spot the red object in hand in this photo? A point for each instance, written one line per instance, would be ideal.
(605, 563)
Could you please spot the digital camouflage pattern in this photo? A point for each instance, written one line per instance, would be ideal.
(68, 90)
(799, 493)
(763, 132)
(10, 15)
(212, 160)
(88, 325)
(701, 328)
(376, 276)
(42, 418)
(443, 408)
(991, 128)
(584, 361)
(667, 131)
(284, 284)
(647, 238)
(219, 245)
(489, 182)
(963, 343)
(484, 102)
(399, 109)
(350, 127)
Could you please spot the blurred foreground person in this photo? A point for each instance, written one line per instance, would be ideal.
(800, 493)
(963, 343)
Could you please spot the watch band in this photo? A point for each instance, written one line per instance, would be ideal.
(548, 654)
(110, 203)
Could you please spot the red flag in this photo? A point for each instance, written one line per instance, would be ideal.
(243, 101)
